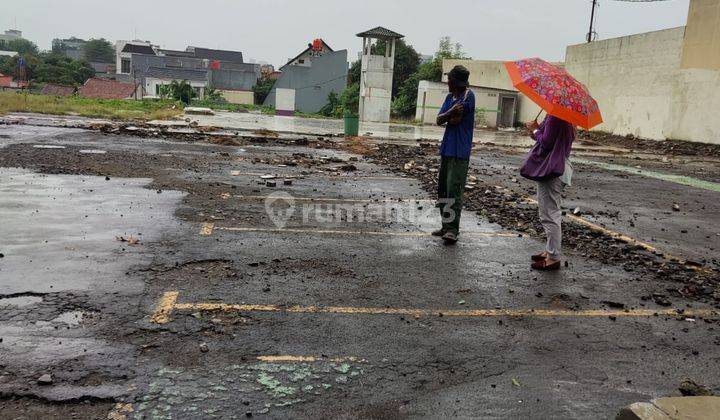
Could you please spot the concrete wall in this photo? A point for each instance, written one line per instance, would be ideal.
(241, 77)
(376, 77)
(284, 100)
(632, 78)
(644, 88)
(492, 74)
(244, 97)
(702, 37)
(313, 84)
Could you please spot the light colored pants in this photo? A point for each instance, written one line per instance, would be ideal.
(548, 197)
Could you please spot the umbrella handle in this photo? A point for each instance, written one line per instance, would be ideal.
(538, 115)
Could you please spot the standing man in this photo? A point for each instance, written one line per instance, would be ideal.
(458, 116)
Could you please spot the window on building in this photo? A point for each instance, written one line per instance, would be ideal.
(125, 65)
(301, 61)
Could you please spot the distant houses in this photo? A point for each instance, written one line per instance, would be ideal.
(203, 68)
(308, 78)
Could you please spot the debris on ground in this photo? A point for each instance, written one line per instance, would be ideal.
(511, 209)
(690, 388)
(131, 240)
(45, 379)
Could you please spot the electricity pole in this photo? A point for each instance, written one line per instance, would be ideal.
(591, 31)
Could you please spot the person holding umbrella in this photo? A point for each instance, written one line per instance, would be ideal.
(568, 104)
(458, 115)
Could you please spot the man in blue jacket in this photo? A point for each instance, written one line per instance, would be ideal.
(458, 115)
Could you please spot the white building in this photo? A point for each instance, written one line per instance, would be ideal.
(376, 75)
(11, 34)
(124, 51)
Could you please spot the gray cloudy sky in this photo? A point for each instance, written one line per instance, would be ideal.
(275, 30)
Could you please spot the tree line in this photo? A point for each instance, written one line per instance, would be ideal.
(54, 66)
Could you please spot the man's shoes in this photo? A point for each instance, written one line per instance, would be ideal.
(439, 232)
(450, 238)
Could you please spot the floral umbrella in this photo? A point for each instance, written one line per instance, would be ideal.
(555, 91)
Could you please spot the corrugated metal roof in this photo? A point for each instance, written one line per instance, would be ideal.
(172, 73)
(138, 49)
(380, 32)
(220, 55)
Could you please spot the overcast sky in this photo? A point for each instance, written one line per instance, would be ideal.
(275, 30)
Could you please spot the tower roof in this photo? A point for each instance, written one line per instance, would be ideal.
(380, 32)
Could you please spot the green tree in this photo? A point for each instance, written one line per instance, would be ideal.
(56, 68)
(406, 100)
(179, 91)
(99, 50)
(331, 106)
(22, 46)
(262, 90)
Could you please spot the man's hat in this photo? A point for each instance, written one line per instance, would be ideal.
(459, 76)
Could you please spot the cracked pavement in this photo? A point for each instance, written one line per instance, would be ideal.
(77, 303)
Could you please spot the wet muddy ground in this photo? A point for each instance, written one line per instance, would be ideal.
(147, 278)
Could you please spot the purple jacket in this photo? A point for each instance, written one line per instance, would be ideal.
(553, 142)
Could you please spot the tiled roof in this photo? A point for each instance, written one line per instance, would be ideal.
(106, 89)
(380, 32)
(138, 49)
(172, 73)
(220, 55)
(6, 81)
(57, 90)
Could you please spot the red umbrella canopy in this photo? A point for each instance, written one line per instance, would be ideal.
(555, 91)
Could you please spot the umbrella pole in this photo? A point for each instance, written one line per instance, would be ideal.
(538, 115)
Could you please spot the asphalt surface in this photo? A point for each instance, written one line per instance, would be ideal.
(150, 281)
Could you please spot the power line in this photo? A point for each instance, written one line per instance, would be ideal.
(592, 34)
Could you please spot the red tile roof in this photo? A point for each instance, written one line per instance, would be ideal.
(57, 90)
(6, 81)
(106, 89)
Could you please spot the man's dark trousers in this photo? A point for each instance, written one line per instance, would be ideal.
(451, 185)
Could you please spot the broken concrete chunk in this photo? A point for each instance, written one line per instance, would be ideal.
(688, 387)
(45, 379)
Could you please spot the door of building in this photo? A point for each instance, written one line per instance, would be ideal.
(507, 111)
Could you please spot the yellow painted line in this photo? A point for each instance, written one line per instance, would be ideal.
(288, 358)
(622, 237)
(164, 307)
(348, 175)
(226, 196)
(207, 229)
(168, 303)
(468, 313)
(359, 232)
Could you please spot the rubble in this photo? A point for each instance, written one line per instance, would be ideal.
(510, 209)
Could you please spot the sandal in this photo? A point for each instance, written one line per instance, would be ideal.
(545, 266)
(539, 257)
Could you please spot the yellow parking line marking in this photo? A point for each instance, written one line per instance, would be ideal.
(226, 196)
(288, 358)
(207, 229)
(358, 232)
(622, 237)
(164, 307)
(168, 302)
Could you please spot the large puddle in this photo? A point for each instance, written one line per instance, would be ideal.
(59, 231)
